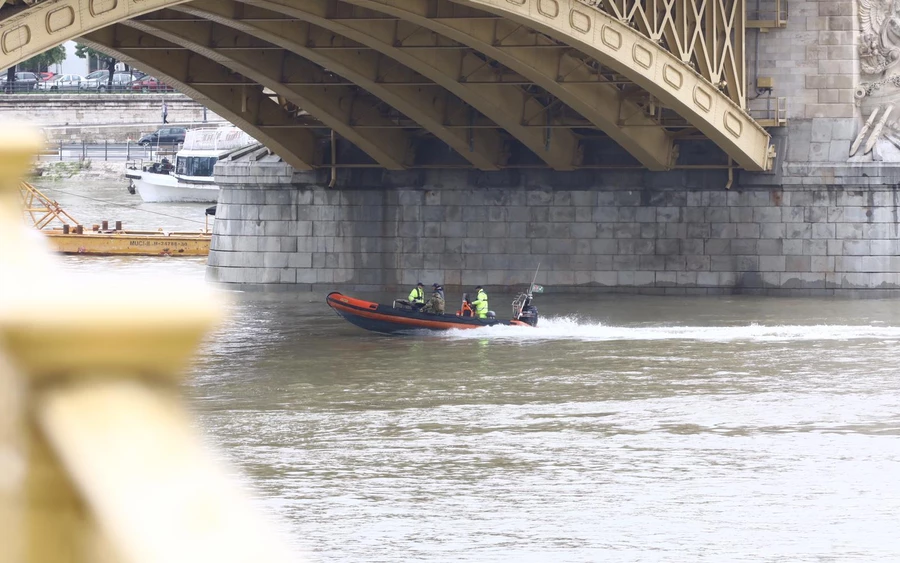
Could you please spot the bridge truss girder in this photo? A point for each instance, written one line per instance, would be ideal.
(503, 104)
(482, 76)
(244, 104)
(435, 109)
(640, 57)
(554, 69)
(332, 105)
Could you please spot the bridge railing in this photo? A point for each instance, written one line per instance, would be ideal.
(774, 14)
(105, 151)
(770, 111)
(31, 89)
(99, 459)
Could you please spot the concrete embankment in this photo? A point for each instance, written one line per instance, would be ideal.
(102, 117)
(79, 169)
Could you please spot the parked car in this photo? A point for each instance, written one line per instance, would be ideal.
(150, 84)
(165, 136)
(24, 82)
(46, 75)
(98, 78)
(92, 80)
(121, 81)
(61, 82)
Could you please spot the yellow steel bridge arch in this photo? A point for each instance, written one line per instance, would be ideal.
(474, 74)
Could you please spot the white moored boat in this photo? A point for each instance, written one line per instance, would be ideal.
(191, 177)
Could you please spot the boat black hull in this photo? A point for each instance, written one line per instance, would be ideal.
(388, 320)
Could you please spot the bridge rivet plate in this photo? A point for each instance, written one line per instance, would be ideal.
(60, 19)
(548, 8)
(15, 38)
(673, 77)
(579, 21)
(611, 38)
(99, 7)
(642, 55)
(702, 98)
(733, 124)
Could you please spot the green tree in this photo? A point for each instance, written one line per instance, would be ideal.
(104, 60)
(84, 52)
(40, 63)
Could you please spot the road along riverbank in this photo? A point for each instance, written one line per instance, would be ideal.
(103, 117)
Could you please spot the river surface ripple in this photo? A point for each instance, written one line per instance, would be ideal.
(625, 429)
(622, 429)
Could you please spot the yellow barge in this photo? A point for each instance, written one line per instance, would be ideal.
(125, 243)
(100, 240)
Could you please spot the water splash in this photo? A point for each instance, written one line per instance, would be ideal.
(573, 328)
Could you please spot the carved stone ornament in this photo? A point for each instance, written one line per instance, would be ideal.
(879, 40)
(879, 90)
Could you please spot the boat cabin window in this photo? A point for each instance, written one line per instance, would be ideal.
(195, 165)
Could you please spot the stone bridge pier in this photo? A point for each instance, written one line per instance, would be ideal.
(675, 233)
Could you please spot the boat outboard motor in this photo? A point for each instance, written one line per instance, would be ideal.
(524, 311)
(529, 315)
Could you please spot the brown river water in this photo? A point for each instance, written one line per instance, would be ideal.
(621, 429)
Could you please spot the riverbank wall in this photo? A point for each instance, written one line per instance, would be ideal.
(678, 233)
(83, 170)
(98, 117)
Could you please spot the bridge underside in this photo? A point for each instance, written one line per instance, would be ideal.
(405, 84)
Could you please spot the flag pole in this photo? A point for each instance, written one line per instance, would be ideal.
(528, 293)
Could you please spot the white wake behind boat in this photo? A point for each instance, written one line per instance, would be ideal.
(191, 179)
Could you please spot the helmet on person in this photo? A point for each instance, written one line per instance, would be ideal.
(437, 286)
(477, 287)
(420, 284)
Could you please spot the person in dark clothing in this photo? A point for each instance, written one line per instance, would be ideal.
(111, 72)
(435, 304)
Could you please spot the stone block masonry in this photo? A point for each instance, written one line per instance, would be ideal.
(274, 232)
(814, 63)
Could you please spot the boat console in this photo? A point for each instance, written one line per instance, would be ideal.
(403, 305)
(523, 310)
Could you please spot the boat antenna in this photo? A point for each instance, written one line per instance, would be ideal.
(534, 279)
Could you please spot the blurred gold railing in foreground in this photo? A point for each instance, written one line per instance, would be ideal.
(99, 460)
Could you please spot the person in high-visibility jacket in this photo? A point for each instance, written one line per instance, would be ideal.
(417, 296)
(481, 303)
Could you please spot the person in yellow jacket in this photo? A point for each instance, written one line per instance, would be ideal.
(481, 303)
(417, 296)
